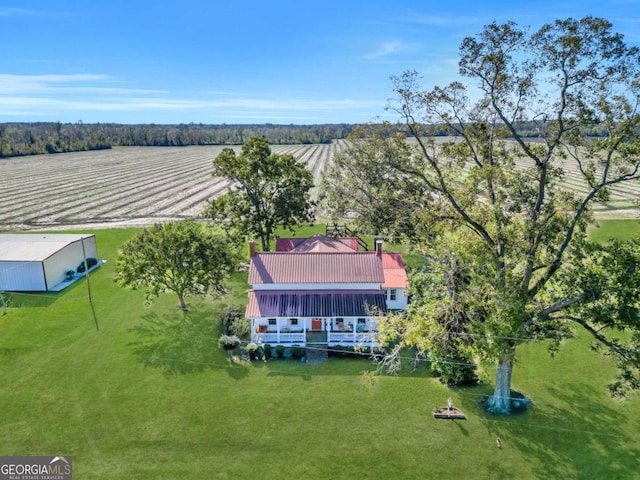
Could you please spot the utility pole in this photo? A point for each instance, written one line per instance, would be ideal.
(86, 275)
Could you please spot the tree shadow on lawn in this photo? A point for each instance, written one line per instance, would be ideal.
(578, 438)
(177, 342)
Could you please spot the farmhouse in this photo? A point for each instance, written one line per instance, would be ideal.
(323, 290)
(44, 262)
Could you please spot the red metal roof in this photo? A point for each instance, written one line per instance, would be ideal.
(395, 276)
(317, 243)
(312, 267)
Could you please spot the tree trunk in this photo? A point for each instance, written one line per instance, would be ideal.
(500, 401)
(183, 304)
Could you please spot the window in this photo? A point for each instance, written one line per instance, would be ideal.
(272, 321)
(293, 321)
(362, 321)
(393, 294)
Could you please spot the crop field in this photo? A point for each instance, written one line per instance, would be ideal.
(130, 186)
(125, 186)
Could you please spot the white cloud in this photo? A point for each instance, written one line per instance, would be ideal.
(74, 84)
(428, 19)
(96, 97)
(384, 50)
(26, 104)
(7, 11)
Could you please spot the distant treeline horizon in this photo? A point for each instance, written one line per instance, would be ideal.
(33, 138)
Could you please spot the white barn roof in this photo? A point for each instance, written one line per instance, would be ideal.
(34, 247)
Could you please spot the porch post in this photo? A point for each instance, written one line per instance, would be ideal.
(328, 328)
(278, 329)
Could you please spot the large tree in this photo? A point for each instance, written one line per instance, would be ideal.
(507, 215)
(186, 258)
(267, 190)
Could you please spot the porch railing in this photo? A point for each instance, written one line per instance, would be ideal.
(332, 337)
(348, 337)
(284, 337)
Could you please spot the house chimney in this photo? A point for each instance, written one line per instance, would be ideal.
(378, 248)
(252, 248)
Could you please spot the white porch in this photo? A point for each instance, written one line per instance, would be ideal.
(332, 331)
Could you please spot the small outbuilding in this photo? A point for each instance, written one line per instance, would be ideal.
(38, 262)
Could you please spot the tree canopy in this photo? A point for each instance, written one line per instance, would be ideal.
(181, 257)
(504, 238)
(268, 190)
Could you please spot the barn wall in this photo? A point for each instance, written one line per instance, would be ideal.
(22, 276)
(68, 258)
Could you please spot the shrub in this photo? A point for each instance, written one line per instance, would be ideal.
(297, 352)
(229, 343)
(457, 370)
(279, 351)
(252, 348)
(228, 318)
(240, 327)
(267, 351)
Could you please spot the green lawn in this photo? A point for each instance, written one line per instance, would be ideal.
(149, 395)
(622, 229)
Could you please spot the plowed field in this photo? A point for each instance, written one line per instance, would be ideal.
(122, 186)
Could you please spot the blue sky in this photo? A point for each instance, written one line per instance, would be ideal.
(235, 61)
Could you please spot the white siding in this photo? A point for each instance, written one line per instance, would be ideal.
(69, 258)
(22, 276)
(400, 302)
(58, 255)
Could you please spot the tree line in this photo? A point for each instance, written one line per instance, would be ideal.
(33, 138)
(17, 139)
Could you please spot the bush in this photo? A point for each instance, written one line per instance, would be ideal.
(229, 343)
(297, 353)
(279, 351)
(267, 351)
(455, 370)
(252, 348)
(228, 318)
(240, 327)
(90, 262)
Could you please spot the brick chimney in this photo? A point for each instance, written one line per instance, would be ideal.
(252, 248)
(378, 248)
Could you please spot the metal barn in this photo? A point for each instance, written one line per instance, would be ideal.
(37, 262)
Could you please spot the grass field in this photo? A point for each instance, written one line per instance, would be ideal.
(622, 229)
(163, 402)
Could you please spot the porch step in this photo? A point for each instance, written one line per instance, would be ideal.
(316, 353)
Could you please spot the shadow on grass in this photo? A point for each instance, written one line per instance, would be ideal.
(16, 300)
(579, 437)
(177, 342)
(237, 372)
